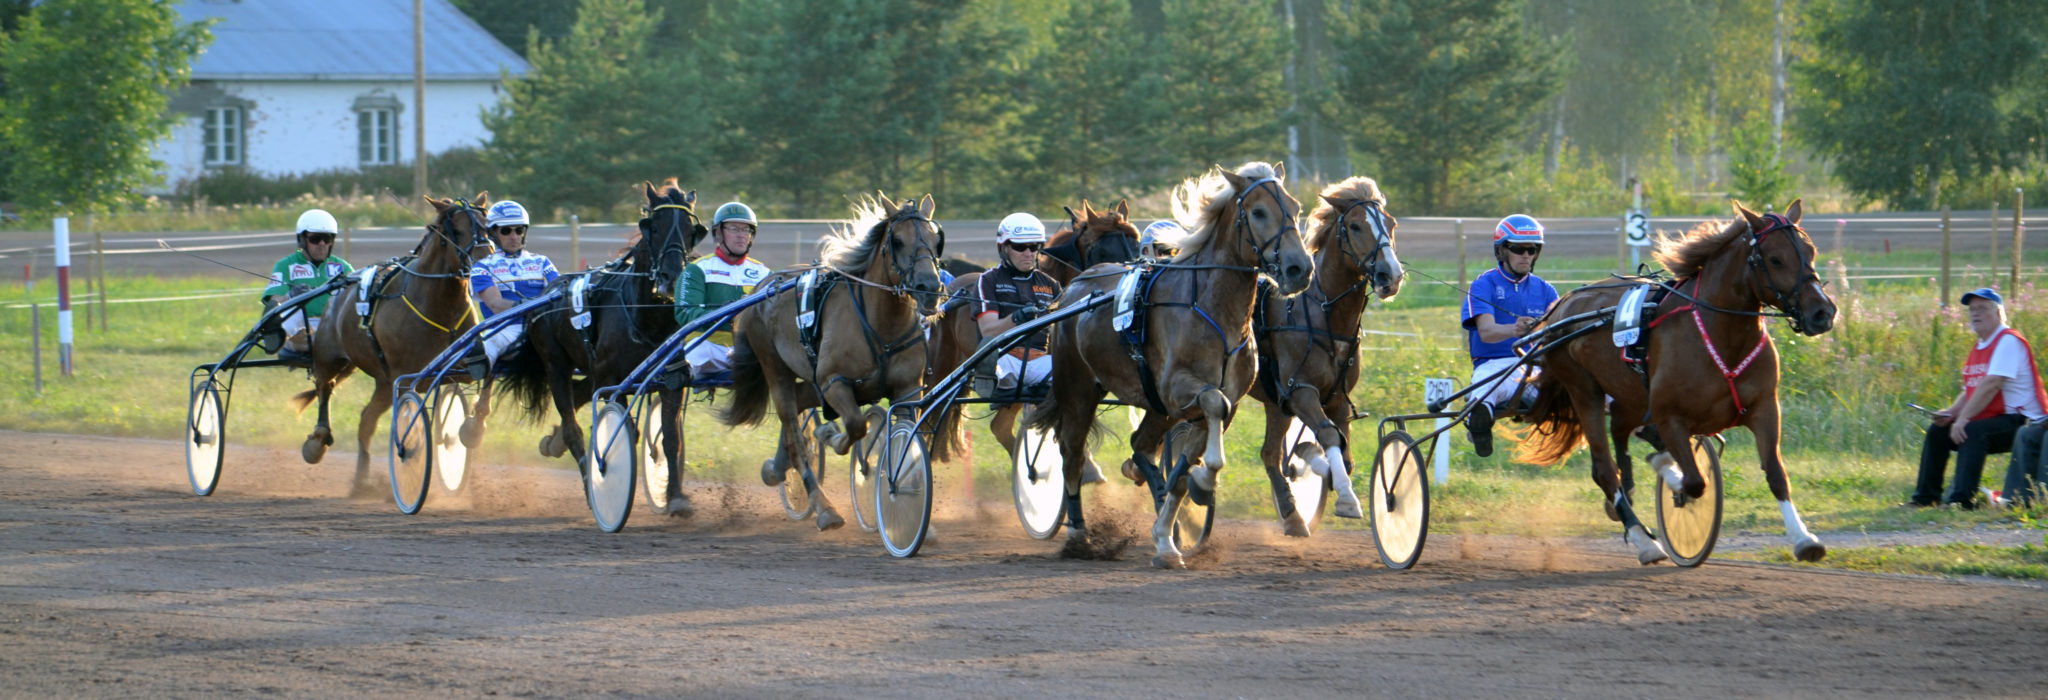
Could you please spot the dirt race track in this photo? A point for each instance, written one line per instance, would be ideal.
(116, 581)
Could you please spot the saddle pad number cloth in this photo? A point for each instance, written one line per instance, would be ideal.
(1628, 316)
(1127, 299)
(363, 279)
(805, 315)
(581, 320)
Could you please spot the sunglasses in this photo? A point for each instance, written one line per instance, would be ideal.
(1024, 247)
(321, 238)
(509, 230)
(1525, 249)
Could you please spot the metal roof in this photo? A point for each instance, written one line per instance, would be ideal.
(352, 40)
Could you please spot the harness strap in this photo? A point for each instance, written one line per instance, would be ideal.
(1726, 373)
(471, 314)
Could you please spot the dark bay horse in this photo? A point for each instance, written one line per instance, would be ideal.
(1194, 360)
(1092, 238)
(1710, 367)
(1308, 345)
(880, 280)
(421, 304)
(630, 311)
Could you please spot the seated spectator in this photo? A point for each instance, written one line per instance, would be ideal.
(2001, 392)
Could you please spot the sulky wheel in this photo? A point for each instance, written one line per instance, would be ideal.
(1689, 526)
(860, 480)
(205, 434)
(1399, 491)
(1038, 479)
(451, 457)
(1311, 491)
(903, 491)
(654, 465)
(614, 453)
(412, 455)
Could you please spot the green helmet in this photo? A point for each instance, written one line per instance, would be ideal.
(733, 211)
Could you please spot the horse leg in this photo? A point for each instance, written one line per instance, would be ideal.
(854, 428)
(1075, 404)
(671, 441)
(1764, 425)
(473, 428)
(1215, 411)
(1620, 427)
(1272, 453)
(1589, 403)
(1329, 450)
(1166, 555)
(366, 428)
(1004, 428)
(315, 447)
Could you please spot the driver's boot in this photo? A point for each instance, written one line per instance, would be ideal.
(477, 363)
(1479, 425)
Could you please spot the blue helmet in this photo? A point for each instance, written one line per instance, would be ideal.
(1518, 228)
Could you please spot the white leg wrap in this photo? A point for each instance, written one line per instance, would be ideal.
(1795, 527)
(1667, 468)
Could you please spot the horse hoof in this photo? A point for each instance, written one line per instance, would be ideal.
(313, 451)
(1168, 560)
(679, 507)
(1296, 527)
(1130, 470)
(828, 519)
(552, 447)
(1203, 478)
(472, 433)
(1809, 550)
(771, 472)
(1091, 474)
(833, 437)
(1612, 514)
(1348, 508)
(1648, 551)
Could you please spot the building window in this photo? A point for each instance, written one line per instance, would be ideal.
(223, 129)
(377, 136)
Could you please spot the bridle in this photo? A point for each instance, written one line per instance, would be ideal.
(674, 243)
(440, 229)
(1383, 240)
(1785, 302)
(1269, 260)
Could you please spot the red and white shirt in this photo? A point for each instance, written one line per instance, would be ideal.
(2006, 354)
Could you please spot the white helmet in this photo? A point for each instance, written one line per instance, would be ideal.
(317, 221)
(1166, 231)
(506, 213)
(1020, 228)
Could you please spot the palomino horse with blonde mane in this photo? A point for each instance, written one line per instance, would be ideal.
(879, 280)
(418, 306)
(1189, 359)
(1710, 366)
(1092, 238)
(1308, 345)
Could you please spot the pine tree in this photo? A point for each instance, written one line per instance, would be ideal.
(1225, 62)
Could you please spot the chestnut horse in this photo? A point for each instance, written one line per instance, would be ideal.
(881, 280)
(1195, 340)
(1090, 239)
(1308, 345)
(419, 308)
(1710, 367)
(630, 313)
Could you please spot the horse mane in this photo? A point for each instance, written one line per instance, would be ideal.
(1355, 189)
(849, 247)
(1685, 254)
(1199, 201)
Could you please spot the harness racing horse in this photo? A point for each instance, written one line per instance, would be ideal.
(1091, 239)
(1712, 317)
(1193, 339)
(626, 310)
(1308, 345)
(878, 281)
(418, 305)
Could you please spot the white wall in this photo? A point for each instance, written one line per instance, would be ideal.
(298, 127)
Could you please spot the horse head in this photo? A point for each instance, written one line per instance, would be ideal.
(457, 231)
(906, 249)
(1106, 236)
(668, 234)
(1264, 217)
(1781, 258)
(1362, 237)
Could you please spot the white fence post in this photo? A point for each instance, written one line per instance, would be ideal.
(1434, 390)
(63, 235)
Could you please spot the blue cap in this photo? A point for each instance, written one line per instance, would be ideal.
(1983, 293)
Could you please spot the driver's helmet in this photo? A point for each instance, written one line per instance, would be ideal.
(506, 213)
(315, 221)
(734, 211)
(1020, 228)
(1518, 228)
(1163, 231)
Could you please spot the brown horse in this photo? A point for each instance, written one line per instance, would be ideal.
(419, 306)
(1308, 345)
(1710, 365)
(881, 280)
(1093, 238)
(1190, 361)
(629, 312)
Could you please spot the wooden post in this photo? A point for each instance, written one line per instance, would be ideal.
(99, 270)
(2019, 231)
(1621, 249)
(1944, 255)
(1458, 229)
(35, 325)
(1992, 269)
(575, 242)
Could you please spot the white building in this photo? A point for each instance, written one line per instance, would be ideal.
(294, 86)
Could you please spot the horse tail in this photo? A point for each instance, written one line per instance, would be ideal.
(749, 387)
(947, 436)
(1555, 432)
(301, 400)
(524, 375)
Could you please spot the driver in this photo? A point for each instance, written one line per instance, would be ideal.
(1013, 293)
(716, 280)
(1505, 304)
(312, 265)
(1160, 238)
(506, 278)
